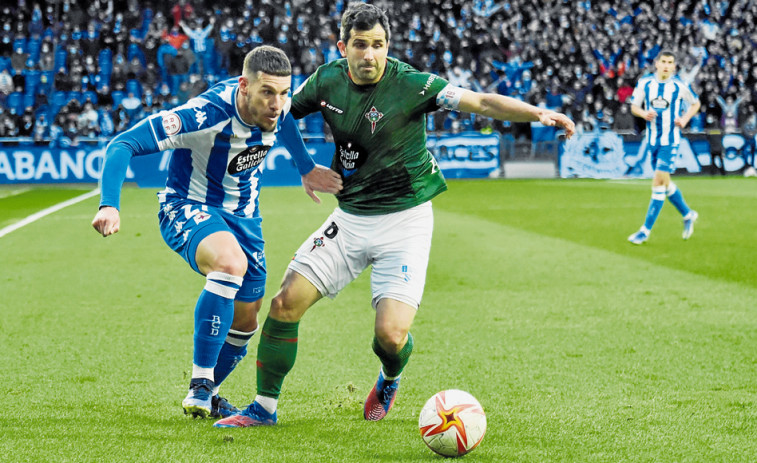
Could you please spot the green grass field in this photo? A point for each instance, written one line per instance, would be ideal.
(580, 346)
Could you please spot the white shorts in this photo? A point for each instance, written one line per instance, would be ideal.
(397, 245)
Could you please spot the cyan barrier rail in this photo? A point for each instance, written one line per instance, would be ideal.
(458, 156)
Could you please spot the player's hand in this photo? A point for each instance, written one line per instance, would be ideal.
(650, 115)
(555, 119)
(107, 221)
(321, 179)
(680, 123)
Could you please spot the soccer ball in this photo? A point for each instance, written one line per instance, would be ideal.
(452, 423)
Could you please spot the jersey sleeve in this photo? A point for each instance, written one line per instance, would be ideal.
(637, 97)
(290, 137)
(304, 98)
(136, 141)
(688, 95)
(175, 128)
(431, 89)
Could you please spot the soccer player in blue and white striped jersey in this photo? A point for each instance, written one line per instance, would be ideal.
(667, 104)
(209, 209)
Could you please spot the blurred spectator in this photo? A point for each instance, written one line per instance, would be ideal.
(198, 36)
(132, 105)
(8, 124)
(107, 126)
(26, 124)
(88, 123)
(121, 119)
(178, 69)
(184, 92)
(182, 10)
(19, 59)
(624, 122)
(175, 37)
(61, 81)
(165, 54)
(6, 83)
(730, 106)
(41, 129)
(196, 85)
(46, 57)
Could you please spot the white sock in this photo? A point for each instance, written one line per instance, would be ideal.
(200, 372)
(268, 403)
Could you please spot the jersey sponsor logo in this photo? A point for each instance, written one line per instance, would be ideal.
(247, 159)
(349, 157)
(200, 117)
(374, 115)
(428, 84)
(331, 107)
(171, 123)
(660, 103)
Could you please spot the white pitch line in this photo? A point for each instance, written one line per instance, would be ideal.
(38, 215)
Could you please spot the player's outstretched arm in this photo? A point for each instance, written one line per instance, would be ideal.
(321, 179)
(505, 108)
(136, 141)
(107, 221)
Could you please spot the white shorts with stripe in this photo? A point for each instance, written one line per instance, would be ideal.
(396, 245)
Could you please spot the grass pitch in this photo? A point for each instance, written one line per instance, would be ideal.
(580, 346)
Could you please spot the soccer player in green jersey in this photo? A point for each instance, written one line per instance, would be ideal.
(376, 108)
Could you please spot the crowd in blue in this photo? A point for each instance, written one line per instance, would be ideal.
(72, 70)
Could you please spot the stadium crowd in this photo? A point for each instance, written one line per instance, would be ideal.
(71, 70)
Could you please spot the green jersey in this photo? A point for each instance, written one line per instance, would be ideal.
(380, 134)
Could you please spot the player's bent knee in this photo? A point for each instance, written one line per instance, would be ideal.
(391, 340)
(283, 308)
(233, 263)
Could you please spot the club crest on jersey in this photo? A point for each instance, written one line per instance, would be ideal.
(247, 159)
(374, 115)
(201, 217)
(660, 103)
(171, 123)
(317, 243)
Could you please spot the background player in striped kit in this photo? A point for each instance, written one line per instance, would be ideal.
(659, 99)
(209, 209)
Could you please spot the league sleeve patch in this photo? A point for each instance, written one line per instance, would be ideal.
(171, 123)
(449, 97)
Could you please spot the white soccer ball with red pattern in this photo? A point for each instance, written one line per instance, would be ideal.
(452, 423)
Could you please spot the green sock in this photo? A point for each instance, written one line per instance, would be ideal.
(276, 355)
(394, 363)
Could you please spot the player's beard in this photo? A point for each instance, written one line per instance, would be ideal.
(367, 74)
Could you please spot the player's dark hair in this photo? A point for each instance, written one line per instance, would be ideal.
(268, 60)
(666, 52)
(363, 17)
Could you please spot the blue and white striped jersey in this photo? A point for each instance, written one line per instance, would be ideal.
(666, 98)
(217, 158)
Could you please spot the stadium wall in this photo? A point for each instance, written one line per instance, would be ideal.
(602, 154)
